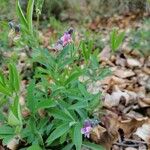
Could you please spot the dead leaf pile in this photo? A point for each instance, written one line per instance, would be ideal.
(126, 102)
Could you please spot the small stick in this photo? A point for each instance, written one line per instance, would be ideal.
(120, 141)
(134, 141)
(126, 145)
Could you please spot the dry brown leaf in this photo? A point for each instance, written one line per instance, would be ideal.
(105, 54)
(146, 100)
(13, 144)
(114, 98)
(97, 132)
(123, 73)
(144, 132)
(112, 122)
(94, 87)
(146, 70)
(133, 62)
(120, 61)
(106, 136)
(135, 115)
(130, 148)
(113, 80)
(142, 104)
(130, 125)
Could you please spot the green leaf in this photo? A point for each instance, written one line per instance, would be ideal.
(68, 147)
(95, 102)
(104, 72)
(30, 96)
(11, 77)
(116, 39)
(16, 108)
(79, 105)
(86, 49)
(63, 138)
(59, 114)
(34, 147)
(7, 138)
(30, 14)
(120, 38)
(92, 146)
(73, 76)
(45, 103)
(13, 120)
(4, 90)
(77, 136)
(6, 130)
(14, 80)
(83, 89)
(113, 34)
(59, 131)
(21, 15)
(2, 79)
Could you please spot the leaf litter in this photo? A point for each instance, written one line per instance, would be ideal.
(125, 121)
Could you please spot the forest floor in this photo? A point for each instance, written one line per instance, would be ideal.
(126, 92)
(125, 110)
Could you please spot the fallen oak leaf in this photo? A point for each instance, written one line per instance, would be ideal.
(133, 62)
(144, 132)
(123, 73)
(114, 98)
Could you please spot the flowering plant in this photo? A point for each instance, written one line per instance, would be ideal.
(56, 101)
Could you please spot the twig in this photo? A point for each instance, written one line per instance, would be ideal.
(126, 145)
(134, 141)
(120, 141)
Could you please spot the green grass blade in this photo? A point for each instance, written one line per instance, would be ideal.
(30, 8)
(21, 15)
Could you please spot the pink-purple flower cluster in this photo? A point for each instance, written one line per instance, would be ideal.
(87, 127)
(64, 40)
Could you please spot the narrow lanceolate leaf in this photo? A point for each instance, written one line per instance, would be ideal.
(30, 14)
(120, 38)
(68, 147)
(13, 120)
(11, 77)
(59, 114)
(92, 146)
(21, 15)
(58, 132)
(45, 103)
(73, 76)
(113, 40)
(14, 79)
(4, 90)
(79, 105)
(30, 96)
(77, 136)
(16, 109)
(6, 130)
(34, 147)
(2, 80)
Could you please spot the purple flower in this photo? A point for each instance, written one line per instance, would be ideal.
(64, 40)
(86, 128)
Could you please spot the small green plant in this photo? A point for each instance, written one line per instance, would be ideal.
(57, 101)
(38, 9)
(116, 40)
(29, 36)
(55, 89)
(10, 90)
(140, 39)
